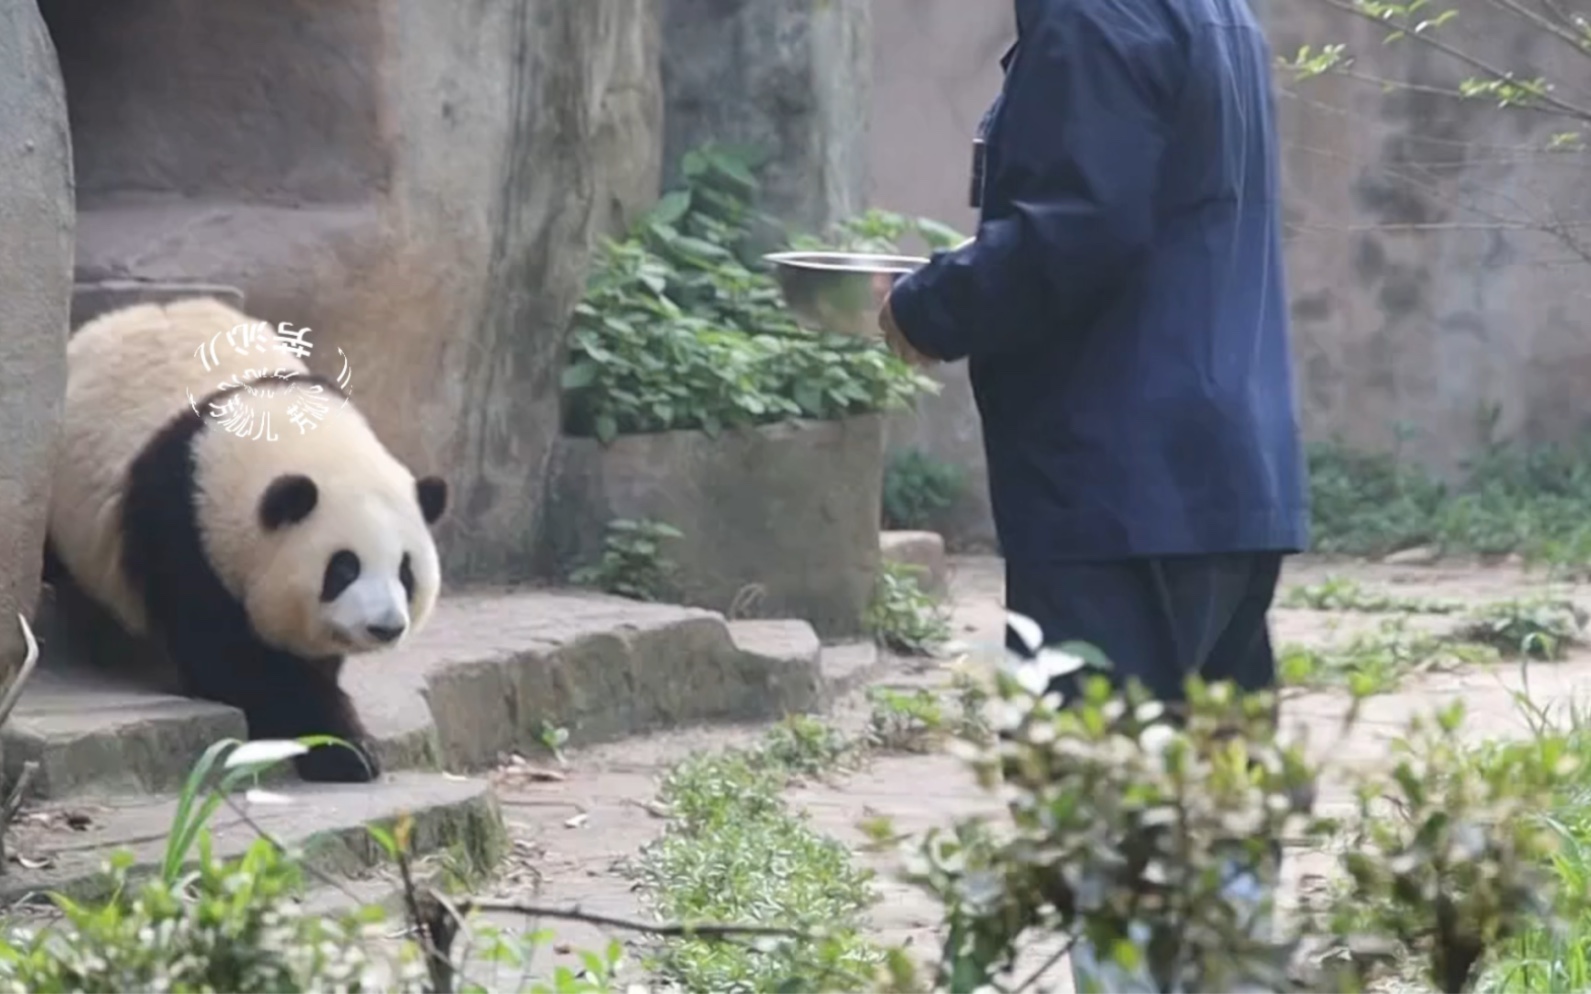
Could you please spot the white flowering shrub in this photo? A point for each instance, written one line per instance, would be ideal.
(1148, 841)
(236, 925)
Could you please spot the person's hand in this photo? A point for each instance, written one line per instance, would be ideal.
(896, 340)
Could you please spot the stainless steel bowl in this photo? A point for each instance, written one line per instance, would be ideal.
(838, 292)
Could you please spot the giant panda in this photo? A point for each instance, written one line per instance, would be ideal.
(257, 564)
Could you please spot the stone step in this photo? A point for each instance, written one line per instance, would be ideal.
(490, 671)
(923, 550)
(60, 847)
(89, 732)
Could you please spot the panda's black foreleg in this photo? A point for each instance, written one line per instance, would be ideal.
(314, 704)
(283, 696)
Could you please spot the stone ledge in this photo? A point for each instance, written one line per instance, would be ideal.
(328, 822)
(482, 680)
(491, 669)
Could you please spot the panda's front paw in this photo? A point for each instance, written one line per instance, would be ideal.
(337, 763)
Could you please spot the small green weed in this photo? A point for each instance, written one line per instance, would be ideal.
(735, 851)
(1546, 958)
(1541, 628)
(807, 746)
(916, 487)
(1532, 501)
(1376, 662)
(555, 737)
(904, 722)
(1340, 593)
(903, 617)
(632, 563)
(1534, 628)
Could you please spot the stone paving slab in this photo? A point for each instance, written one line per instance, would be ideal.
(72, 840)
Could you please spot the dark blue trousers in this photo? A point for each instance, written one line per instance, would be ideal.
(1159, 620)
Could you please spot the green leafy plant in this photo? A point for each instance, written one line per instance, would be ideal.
(236, 925)
(681, 328)
(632, 564)
(1150, 833)
(881, 232)
(734, 850)
(1534, 627)
(902, 616)
(1375, 662)
(903, 722)
(1340, 593)
(916, 487)
(1511, 499)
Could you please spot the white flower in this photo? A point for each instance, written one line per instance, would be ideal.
(1027, 630)
(266, 797)
(264, 751)
(1032, 678)
(1156, 738)
(1056, 663)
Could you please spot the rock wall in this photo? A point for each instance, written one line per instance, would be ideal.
(1427, 282)
(36, 228)
(792, 77)
(424, 201)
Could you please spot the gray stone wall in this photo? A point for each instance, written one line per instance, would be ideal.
(36, 226)
(792, 77)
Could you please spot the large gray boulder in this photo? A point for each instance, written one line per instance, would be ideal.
(36, 228)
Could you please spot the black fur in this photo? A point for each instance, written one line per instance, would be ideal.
(206, 630)
(431, 491)
(287, 501)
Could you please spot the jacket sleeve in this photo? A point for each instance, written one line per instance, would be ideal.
(1075, 156)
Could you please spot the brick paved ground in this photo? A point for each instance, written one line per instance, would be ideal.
(610, 787)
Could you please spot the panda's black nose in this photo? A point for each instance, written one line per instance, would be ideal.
(385, 633)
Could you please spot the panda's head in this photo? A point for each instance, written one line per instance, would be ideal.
(351, 565)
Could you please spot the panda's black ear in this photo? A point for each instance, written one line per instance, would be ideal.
(432, 494)
(287, 501)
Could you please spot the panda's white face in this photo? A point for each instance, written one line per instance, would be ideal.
(355, 569)
(366, 604)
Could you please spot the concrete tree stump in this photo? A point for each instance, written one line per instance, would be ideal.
(37, 225)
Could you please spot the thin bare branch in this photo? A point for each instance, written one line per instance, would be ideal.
(1467, 58)
(704, 930)
(13, 692)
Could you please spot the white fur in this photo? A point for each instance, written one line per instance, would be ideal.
(130, 373)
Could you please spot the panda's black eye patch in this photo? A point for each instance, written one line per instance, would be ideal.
(406, 577)
(341, 571)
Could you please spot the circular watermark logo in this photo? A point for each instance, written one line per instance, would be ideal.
(236, 402)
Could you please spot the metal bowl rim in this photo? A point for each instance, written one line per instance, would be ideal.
(836, 262)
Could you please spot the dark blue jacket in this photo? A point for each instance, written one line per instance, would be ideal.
(1123, 308)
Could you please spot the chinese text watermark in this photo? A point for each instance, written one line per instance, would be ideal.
(230, 405)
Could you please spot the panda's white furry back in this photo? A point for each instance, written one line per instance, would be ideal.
(196, 500)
